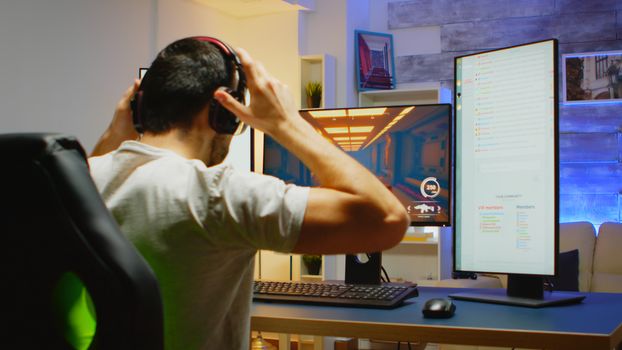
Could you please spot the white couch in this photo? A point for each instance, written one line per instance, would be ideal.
(600, 263)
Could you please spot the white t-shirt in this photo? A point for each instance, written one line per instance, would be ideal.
(199, 228)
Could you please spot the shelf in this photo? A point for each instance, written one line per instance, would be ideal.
(421, 235)
(428, 93)
(319, 68)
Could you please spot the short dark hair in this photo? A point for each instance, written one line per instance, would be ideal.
(180, 83)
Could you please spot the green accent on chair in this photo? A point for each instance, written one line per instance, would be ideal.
(75, 312)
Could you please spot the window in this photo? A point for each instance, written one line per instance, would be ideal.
(601, 66)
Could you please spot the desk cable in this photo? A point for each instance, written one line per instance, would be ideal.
(386, 278)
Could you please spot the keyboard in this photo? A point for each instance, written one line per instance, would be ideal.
(336, 293)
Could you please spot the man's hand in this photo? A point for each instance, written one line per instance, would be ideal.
(271, 105)
(121, 127)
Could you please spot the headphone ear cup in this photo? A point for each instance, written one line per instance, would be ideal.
(221, 119)
(135, 105)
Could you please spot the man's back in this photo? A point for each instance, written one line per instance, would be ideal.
(199, 234)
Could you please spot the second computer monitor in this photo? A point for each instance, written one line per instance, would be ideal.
(506, 160)
(407, 147)
(506, 172)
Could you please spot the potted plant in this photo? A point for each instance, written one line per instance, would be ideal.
(313, 263)
(313, 90)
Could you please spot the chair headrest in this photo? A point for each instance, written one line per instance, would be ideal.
(30, 146)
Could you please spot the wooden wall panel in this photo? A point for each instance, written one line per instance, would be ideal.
(569, 6)
(593, 178)
(418, 13)
(418, 68)
(588, 147)
(598, 26)
(602, 117)
(595, 208)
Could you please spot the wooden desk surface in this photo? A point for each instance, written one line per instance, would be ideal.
(593, 324)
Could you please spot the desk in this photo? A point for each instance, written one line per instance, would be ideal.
(593, 324)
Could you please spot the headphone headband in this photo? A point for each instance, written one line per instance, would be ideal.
(224, 47)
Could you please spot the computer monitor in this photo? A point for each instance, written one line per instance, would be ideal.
(407, 147)
(506, 170)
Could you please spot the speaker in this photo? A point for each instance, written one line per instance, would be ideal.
(363, 271)
(220, 119)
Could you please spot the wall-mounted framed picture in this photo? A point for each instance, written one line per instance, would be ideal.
(592, 77)
(374, 60)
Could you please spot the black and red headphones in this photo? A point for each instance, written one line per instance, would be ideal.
(220, 118)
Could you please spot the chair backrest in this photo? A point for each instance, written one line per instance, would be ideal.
(53, 221)
(582, 236)
(607, 274)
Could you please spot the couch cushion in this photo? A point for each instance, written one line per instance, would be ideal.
(581, 236)
(607, 274)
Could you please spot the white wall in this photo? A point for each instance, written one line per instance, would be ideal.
(64, 64)
(323, 31)
(182, 18)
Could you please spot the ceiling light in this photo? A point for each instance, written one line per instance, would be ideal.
(360, 129)
(353, 138)
(367, 112)
(341, 138)
(407, 110)
(335, 113)
(337, 130)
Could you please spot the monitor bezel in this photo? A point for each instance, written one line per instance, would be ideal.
(555, 156)
(450, 149)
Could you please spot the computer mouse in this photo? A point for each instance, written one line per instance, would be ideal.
(438, 308)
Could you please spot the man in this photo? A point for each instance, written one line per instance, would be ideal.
(199, 222)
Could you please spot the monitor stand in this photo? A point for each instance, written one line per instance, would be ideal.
(523, 290)
(363, 271)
